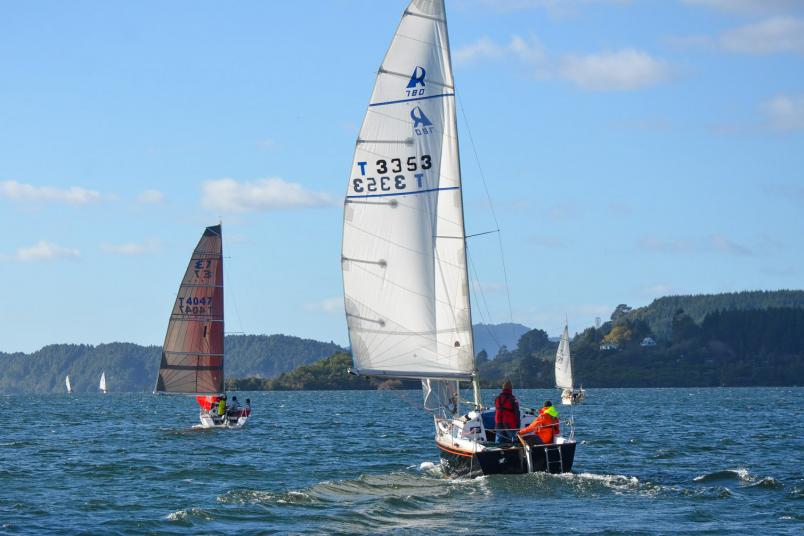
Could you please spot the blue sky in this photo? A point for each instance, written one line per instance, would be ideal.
(632, 149)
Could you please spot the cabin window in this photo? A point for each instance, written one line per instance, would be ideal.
(205, 331)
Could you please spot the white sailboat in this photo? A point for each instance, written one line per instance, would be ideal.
(102, 385)
(69, 385)
(569, 395)
(406, 290)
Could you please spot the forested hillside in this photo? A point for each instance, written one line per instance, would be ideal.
(728, 348)
(659, 314)
(130, 367)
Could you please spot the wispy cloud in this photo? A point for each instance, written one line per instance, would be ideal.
(775, 35)
(327, 306)
(151, 197)
(749, 6)
(530, 50)
(725, 245)
(75, 195)
(556, 8)
(132, 248)
(785, 112)
(623, 70)
(229, 195)
(42, 251)
(715, 243)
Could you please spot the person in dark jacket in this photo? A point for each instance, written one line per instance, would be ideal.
(506, 416)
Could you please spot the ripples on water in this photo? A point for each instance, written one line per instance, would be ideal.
(651, 461)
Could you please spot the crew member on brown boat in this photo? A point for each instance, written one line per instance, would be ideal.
(506, 415)
(544, 427)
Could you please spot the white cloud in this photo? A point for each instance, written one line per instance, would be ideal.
(229, 195)
(151, 197)
(328, 306)
(486, 49)
(785, 112)
(266, 143)
(623, 70)
(777, 34)
(74, 195)
(749, 6)
(132, 248)
(43, 251)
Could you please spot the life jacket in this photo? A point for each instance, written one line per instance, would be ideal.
(221, 407)
(546, 425)
(507, 410)
(549, 424)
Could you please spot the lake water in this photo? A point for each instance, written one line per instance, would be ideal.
(650, 461)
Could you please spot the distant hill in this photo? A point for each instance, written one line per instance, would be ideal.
(755, 347)
(659, 314)
(490, 337)
(131, 367)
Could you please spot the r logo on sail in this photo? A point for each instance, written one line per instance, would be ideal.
(416, 79)
(421, 124)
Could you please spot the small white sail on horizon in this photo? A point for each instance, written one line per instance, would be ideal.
(69, 385)
(102, 385)
(564, 362)
(564, 381)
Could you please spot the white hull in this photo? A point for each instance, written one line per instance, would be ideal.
(569, 397)
(210, 421)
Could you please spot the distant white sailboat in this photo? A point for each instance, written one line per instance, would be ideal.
(569, 395)
(102, 385)
(69, 385)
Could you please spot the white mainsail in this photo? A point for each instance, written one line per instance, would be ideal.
(67, 382)
(563, 362)
(404, 261)
(102, 385)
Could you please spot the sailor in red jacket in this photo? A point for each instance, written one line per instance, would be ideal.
(506, 416)
(545, 426)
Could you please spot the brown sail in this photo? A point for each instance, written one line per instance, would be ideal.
(192, 355)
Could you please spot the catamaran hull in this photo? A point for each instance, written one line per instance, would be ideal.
(555, 458)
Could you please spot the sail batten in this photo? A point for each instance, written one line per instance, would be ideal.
(192, 355)
(404, 260)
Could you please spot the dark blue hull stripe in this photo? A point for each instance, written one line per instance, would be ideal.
(412, 99)
(402, 193)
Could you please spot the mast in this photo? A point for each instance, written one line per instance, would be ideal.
(478, 402)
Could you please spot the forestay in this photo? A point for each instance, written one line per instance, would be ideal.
(404, 260)
(192, 356)
(563, 362)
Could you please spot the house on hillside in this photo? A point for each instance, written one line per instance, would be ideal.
(607, 346)
(648, 341)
